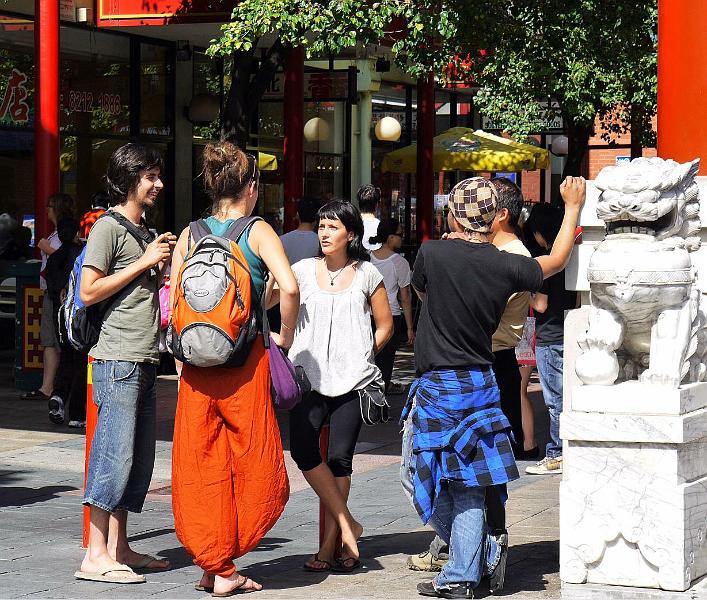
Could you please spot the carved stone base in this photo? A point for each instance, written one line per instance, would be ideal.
(633, 500)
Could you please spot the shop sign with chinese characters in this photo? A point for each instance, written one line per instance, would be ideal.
(319, 85)
(14, 107)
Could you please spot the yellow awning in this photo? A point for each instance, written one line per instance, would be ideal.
(462, 149)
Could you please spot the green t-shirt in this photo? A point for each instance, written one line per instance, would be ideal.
(131, 326)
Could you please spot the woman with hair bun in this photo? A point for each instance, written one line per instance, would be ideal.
(339, 292)
(228, 473)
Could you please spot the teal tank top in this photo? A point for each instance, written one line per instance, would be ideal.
(256, 264)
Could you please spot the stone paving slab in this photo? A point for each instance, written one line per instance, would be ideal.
(41, 477)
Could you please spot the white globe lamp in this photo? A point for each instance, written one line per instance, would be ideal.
(388, 129)
(560, 145)
(316, 130)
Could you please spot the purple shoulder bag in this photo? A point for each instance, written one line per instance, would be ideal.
(289, 383)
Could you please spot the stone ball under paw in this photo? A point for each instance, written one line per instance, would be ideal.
(597, 367)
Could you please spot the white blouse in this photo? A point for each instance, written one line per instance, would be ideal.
(333, 337)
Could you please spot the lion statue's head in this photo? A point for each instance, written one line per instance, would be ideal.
(651, 196)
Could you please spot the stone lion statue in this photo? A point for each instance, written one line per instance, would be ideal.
(647, 320)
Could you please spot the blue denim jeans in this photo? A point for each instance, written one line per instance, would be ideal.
(549, 361)
(443, 517)
(459, 520)
(123, 448)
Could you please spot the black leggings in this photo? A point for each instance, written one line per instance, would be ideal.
(306, 421)
(385, 359)
(505, 368)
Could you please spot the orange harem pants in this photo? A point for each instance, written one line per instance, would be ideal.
(229, 483)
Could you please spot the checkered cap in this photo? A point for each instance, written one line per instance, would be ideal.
(473, 203)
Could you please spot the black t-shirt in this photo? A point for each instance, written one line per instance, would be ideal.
(550, 325)
(467, 286)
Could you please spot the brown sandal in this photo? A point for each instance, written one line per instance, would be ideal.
(239, 589)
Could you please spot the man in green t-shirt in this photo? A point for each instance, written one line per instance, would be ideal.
(123, 271)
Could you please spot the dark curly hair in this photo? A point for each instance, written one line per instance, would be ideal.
(124, 168)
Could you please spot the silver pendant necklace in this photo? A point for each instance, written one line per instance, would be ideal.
(339, 272)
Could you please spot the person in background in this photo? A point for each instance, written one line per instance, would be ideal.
(299, 244)
(58, 206)
(369, 197)
(303, 242)
(396, 277)
(99, 205)
(549, 305)
(340, 292)
(70, 381)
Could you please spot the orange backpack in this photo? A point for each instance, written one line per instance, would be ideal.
(215, 316)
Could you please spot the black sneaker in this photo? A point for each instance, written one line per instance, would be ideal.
(56, 410)
(497, 575)
(455, 590)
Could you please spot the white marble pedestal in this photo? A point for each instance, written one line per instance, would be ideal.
(633, 499)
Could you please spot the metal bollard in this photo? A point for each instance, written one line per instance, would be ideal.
(91, 420)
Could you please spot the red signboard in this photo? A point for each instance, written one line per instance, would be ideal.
(116, 13)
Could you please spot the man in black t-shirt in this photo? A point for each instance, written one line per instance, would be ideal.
(464, 285)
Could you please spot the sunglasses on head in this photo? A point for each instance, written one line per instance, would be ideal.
(255, 166)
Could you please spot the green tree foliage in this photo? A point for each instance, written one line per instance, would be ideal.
(422, 33)
(595, 57)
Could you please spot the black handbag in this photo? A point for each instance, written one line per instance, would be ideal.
(374, 406)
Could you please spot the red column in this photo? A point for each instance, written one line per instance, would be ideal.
(682, 80)
(293, 156)
(46, 128)
(91, 422)
(425, 168)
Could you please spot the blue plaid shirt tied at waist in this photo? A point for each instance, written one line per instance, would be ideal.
(459, 433)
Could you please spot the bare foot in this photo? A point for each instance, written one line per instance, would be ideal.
(206, 583)
(319, 562)
(99, 564)
(225, 585)
(135, 560)
(350, 543)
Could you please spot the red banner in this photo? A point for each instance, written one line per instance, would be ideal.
(116, 13)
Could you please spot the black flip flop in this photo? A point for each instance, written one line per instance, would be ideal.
(316, 558)
(35, 395)
(346, 565)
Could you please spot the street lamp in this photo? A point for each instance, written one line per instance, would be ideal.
(388, 129)
(560, 145)
(316, 130)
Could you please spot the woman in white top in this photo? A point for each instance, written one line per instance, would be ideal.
(339, 292)
(396, 276)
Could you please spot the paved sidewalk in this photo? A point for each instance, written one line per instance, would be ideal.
(41, 476)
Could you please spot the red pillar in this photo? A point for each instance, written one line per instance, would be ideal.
(91, 422)
(46, 128)
(682, 80)
(293, 156)
(425, 167)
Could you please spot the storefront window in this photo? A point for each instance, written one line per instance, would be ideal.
(324, 150)
(207, 79)
(94, 95)
(17, 90)
(397, 189)
(155, 97)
